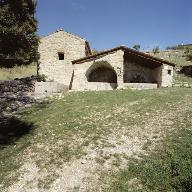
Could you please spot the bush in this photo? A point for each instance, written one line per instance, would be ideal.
(156, 50)
(188, 54)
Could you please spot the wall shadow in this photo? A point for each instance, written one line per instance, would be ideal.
(13, 102)
(114, 85)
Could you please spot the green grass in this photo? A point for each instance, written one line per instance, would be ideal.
(176, 57)
(167, 167)
(181, 78)
(18, 72)
(179, 61)
(62, 129)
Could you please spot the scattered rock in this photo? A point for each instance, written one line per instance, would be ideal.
(84, 161)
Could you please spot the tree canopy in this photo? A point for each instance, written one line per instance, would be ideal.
(18, 38)
(156, 50)
(136, 47)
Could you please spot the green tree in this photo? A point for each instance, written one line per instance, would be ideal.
(18, 39)
(136, 47)
(156, 50)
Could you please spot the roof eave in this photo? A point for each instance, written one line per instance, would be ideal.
(125, 49)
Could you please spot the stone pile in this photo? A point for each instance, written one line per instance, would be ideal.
(16, 94)
(23, 85)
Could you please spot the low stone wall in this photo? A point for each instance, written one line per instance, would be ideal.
(140, 86)
(44, 89)
(99, 86)
(16, 94)
(18, 86)
(182, 84)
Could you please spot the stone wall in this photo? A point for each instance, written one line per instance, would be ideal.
(81, 70)
(167, 76)
(16, 94)
(18, 86)
(162, 75)
(54, 69)
(126, 72)
(140, 86)
(77, 76)
(21, 93)
(43, 89)
(98, 86)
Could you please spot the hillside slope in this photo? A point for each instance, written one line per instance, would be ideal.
(18, 72)
(175, 56)
(82, 141)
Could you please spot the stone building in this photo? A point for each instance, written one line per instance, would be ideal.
(67, 59)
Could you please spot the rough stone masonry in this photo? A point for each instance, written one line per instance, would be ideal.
(67, 59)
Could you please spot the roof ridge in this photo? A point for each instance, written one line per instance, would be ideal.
(59, 30)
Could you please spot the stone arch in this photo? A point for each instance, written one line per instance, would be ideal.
(101, 71)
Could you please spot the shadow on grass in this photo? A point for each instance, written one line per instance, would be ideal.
(12, 129)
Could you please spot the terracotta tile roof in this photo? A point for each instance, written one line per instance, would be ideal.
(127, 51)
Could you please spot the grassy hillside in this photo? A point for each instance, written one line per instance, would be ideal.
(85, 140)
(18, 72)
(167, 168)
(175, 56)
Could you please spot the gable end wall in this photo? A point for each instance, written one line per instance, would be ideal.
(49, 64)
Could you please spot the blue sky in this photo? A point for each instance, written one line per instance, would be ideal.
(109, 23)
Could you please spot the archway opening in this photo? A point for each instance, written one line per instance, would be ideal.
(102, 74)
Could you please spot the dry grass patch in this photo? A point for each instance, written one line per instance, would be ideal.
(18, 72)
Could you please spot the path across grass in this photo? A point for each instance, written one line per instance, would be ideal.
(86, 140)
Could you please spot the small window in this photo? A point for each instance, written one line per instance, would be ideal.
(169, 72)
(61, 56)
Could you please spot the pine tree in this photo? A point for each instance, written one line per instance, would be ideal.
(18, 39)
